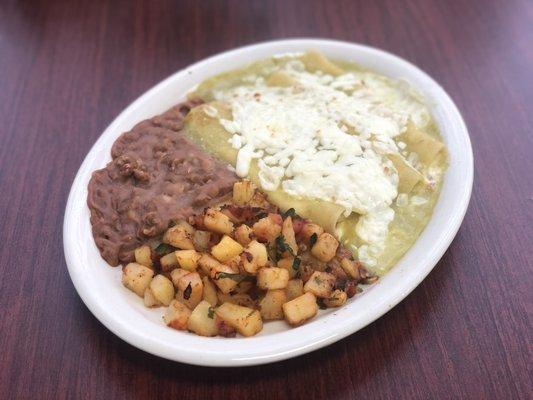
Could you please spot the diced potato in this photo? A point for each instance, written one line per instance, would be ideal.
(162, 289)
(295, 288)
(336, 299)
(217, 222)
(271, 304)
(315, 61)
(201, 240)
(168, 262)
(187, 259)
(210, 292)
(219, 276)
(320, 284)
(266, 230)
(241, 299)
(351, 268)
(202, 320)
(225, 329)
(272, 278)
(325, 247)
(186, 226)
(226, 249)
(287, 231)
(245, 320)
(280, 78)
(243, 287)
(243, 192)
(190, 290)
(176, 274)
(234, 263)
(300, 309)
(177, 315)
(149, 299)
(207, 263)
(243, 234)
(137, 277)
(143, 256)
(309, 229)
(287, 263)
(179, 237)
(254, 257)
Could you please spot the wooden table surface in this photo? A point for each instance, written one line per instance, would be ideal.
(67, 68)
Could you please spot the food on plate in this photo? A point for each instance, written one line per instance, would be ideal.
(276, 190)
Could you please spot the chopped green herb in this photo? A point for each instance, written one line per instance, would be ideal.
(282, 246)
(296, 264)
(291, 212)
(318, 281)
(359, 289)
(171, 224)
(211, 313)
(187, 292)
(164, 249)
(236, 277)
(313, 239)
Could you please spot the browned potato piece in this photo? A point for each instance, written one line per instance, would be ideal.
(149, 299)
(254, 257)
(162, 289)
(226, 249)
(177, 315)
(201, 240)
(168, 262)
(309, 229)
(176, 274)
(187, 259)
(186, 226)
(243, 234)
(243, 192)
(219, 275)
(288, 234)
(137, 277)
(336, 299)
(351, 268)
(210, 292)
(202, 320)
(295, 288)
(271, 304)
(272, 278)
(241, 299)
(246, 321)
(207, 263)
(320, 284)
(143, 256)
(190, 289)
(287, 263)
(266, 230)
(300, 309)
(325, 247)
(217, 222)
(179, 237)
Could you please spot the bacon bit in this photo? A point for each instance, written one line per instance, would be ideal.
(297, 225)
(276, 218)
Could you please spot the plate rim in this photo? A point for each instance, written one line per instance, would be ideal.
(198, 357)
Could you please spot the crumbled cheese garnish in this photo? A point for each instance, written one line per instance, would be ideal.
(210, 111)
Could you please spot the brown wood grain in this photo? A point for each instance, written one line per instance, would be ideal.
(67, 68)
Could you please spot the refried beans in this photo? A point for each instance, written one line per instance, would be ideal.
(157, 175)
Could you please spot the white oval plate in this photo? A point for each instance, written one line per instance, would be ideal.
(99, 285)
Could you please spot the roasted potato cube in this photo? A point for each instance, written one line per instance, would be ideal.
(186, 226)
(143, 256)
(168, 262)
(210, 292)
(202, 320)
(271, 304)
(266, 230)
(217, 222)
(287, 231)
(245, 320)
(325, 247)
(243, 192)
(149, 299)
(272, 278)
(226, 249)
(288, 263)
(320, 284)
(351, 268)
(295, 288)
(336, 299)
(222, 277)
(137, 277)
(176, 274)
(190, 290)
(243, 234)
(254, 257)
(309, 229)
(179, 237)
(241, 299)
(162, 289)
(201, 240)
(187, 259)
(207, 263)
(177, 315)
(300, 309)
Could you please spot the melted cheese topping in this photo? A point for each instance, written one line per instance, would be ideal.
(325, 138)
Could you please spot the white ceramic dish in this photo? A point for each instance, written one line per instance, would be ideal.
(123, 313)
